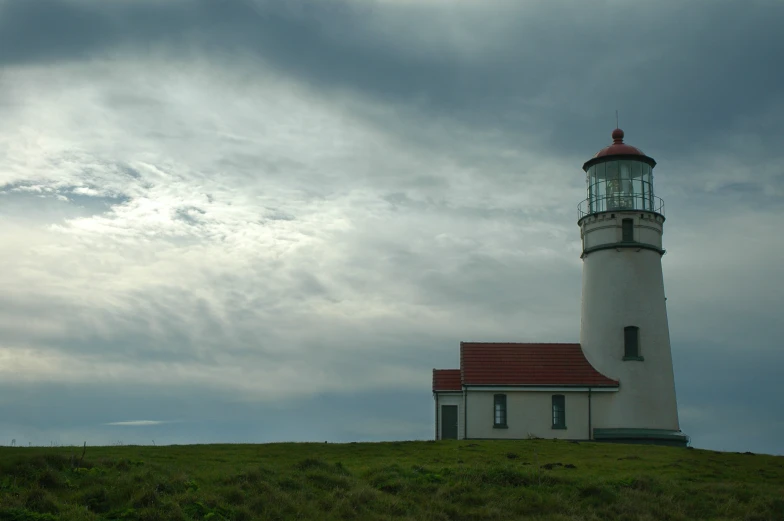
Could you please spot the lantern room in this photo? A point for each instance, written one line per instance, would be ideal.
(620, 178)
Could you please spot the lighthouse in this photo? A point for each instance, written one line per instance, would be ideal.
(624, 332)
(617, 384)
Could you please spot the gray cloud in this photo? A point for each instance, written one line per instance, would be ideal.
(199, 417)
(729, 403)
(298, 209)
(136, 423)
(692, 73)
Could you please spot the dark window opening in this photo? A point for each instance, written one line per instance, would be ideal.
(499, 410)
(631, 343)
(628, 230)
(559, 411)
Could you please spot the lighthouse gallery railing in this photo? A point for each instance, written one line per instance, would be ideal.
(626, 202)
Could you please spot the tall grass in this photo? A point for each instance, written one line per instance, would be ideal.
(450, 480)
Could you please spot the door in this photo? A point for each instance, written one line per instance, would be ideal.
(449, 422)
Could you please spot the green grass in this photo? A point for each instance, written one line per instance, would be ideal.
(450, 480)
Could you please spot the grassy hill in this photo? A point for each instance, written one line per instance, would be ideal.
(450, 480)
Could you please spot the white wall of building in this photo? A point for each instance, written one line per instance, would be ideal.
(450, 398)
(625, 287)
(529, 413)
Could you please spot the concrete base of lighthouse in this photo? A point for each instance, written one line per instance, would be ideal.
(642, 436)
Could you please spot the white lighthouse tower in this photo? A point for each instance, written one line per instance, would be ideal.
(624, 332)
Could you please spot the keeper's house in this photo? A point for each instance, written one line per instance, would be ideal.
(516, 391)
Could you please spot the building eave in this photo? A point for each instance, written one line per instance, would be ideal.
(543, 388)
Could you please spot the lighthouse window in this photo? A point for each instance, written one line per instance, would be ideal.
(631, 343)
(612, 171)
(559, 411)
(499, 409)
(628, 230)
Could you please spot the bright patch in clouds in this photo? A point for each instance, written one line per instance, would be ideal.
(244, 220)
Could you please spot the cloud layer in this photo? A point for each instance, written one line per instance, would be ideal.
(266, 207)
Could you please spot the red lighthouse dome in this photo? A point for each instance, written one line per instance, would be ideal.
(618, 148)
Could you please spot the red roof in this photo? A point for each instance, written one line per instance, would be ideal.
(528, 364)
(447, 380)
(618, 147)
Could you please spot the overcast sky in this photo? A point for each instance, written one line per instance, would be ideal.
(253, 221)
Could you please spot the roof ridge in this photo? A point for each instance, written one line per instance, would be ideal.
(524, 343)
